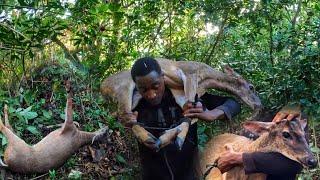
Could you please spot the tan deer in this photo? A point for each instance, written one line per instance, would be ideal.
(185, 79)
(286, 137)
(52, 151)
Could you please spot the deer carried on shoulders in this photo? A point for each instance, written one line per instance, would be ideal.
(186, 80)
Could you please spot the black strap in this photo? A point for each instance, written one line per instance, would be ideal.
(210, 167)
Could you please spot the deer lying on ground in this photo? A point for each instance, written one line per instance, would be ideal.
(52, 151)
(286, 137)
(185, 79)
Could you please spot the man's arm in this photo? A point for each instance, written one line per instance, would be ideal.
(271, 163)
(212, 107)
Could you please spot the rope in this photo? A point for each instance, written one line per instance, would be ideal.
(210, 167)
(168, 165)
(157, 128)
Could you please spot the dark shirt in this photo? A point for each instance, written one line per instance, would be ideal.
(275, 165)
(157, 165)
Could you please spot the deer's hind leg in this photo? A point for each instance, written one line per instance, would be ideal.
(6, 118)
(68, 124)
(7, 131)
(15, 144)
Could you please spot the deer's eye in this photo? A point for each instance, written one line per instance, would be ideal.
(251, 87)
(286, 135)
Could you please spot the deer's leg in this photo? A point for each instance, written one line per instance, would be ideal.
(68, 123)
(142, 134)
(91, 137)
(61, 125)
(177, 134)
(6, 119)
(6, 129)
(182, 135)
(14, 142)
(168, 137)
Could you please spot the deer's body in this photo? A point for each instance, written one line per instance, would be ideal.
(185, 79)
(285, 137)
(214, 148)
(121, 86)
(51, 152)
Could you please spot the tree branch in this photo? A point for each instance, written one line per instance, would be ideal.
(154, 38)
(271, 40)
(219, 35)
(294, 19)
(72, 57)
(8, 27)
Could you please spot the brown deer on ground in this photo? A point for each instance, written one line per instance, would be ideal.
(286, 137)
(52, 151)
(185, 79)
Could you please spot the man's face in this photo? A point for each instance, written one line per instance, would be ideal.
(151, 87)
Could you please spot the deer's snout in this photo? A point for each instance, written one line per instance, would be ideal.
(311, 162)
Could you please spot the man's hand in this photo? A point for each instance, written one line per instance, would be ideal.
(229, 159)
(287, 112)
(191, 111)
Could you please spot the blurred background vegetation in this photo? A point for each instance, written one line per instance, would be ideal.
(275, 44)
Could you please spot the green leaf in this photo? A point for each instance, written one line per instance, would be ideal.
(4, 140)
(62, 115)
(315, 150)
(33, 130)
(28, 114)
(120, 159)
(74, 174)
(47, 114)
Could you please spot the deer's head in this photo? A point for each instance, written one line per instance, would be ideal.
(286, 137)
(243, 89)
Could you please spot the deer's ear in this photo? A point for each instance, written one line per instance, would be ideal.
(303, 122)
(258, 127)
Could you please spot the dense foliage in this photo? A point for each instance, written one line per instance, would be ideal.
(275, 44)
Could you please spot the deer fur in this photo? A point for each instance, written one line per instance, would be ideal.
(271, 140)
(51, 152)
(120, 86)
(185, 79)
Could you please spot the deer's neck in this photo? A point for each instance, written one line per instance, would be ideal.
(218, 80)
(263, 144)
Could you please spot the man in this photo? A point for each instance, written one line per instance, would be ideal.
(157, 111)
(275, 165)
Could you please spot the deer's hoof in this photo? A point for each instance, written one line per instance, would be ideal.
(179, 142)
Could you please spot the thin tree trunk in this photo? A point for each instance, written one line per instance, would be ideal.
(292, 46)
(270, 41)
(294, 19)
(72, 57)
(218, 38)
